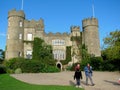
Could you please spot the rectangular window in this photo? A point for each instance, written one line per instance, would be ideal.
(21, 24)
(20, 36)
(8, 37)
(29, 37)
(58, 42)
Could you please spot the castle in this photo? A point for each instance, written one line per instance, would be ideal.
(20, 30)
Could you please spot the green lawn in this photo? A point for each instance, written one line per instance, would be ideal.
(9, 83)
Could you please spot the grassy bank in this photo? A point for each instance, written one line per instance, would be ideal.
(9, 83)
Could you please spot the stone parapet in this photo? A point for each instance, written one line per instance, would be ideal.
(16, 13)
(89, 22)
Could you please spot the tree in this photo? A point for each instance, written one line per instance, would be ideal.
(112, 42)
(2, 55)
(111, 54)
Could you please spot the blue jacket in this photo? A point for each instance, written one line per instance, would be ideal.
(87, 71)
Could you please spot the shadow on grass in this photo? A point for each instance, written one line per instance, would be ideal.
(114, 83)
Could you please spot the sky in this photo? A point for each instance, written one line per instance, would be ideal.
(60, 15)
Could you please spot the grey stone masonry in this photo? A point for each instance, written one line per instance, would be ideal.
(21, 32)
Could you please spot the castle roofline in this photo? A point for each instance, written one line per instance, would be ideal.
(90, 22)
(14, 12)
(33, 23)
(57, 34)
(75, 28)
(92, 18)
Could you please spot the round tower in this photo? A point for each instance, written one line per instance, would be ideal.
(15, 34)
(91, 36)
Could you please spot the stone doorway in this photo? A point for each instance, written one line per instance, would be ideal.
(59, 65)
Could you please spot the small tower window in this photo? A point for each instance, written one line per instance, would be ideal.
(8, 37)
(20, 36)
(20, 23)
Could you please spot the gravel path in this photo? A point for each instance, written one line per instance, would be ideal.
(102, 80)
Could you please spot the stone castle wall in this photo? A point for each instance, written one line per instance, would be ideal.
(29, 29)
(91, 36)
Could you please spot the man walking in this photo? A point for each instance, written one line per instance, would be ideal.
(88, 73)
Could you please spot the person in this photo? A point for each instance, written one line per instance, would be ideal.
(88, 73)
(77, 66)
(119, 80)
(78, 76)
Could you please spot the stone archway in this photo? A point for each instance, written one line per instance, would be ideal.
(59, 65)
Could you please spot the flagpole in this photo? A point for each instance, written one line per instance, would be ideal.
(22, 5)
(93, 10)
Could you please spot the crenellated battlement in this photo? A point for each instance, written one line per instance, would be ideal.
(19, 13)
(89, 22)
(57, 34)
(34, 24)
(75, 28)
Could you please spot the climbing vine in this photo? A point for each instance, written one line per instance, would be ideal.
(68, 55)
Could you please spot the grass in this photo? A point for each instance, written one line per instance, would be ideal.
(9, 83)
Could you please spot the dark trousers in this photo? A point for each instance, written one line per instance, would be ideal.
(78, 82)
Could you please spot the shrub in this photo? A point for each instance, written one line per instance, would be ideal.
(50, 69)
(30, 66)
(2, 69)
(18, 71)
(10, 71)
(69, 68)
(109, 65)
(101, 65)
(72, 68)
(14, 63)
(95, 62)
(83, 63)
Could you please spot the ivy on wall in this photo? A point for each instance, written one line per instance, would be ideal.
(78, 39)
(41, 50)
(68, 55)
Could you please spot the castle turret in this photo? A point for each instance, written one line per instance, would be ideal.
(91, 36)
(76, 42)
(75, 31)
(14, 46)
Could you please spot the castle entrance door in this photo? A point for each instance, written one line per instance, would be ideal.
(59, 65)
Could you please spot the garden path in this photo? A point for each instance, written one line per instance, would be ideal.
(102, 80)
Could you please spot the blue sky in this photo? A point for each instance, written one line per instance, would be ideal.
(59, 15)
